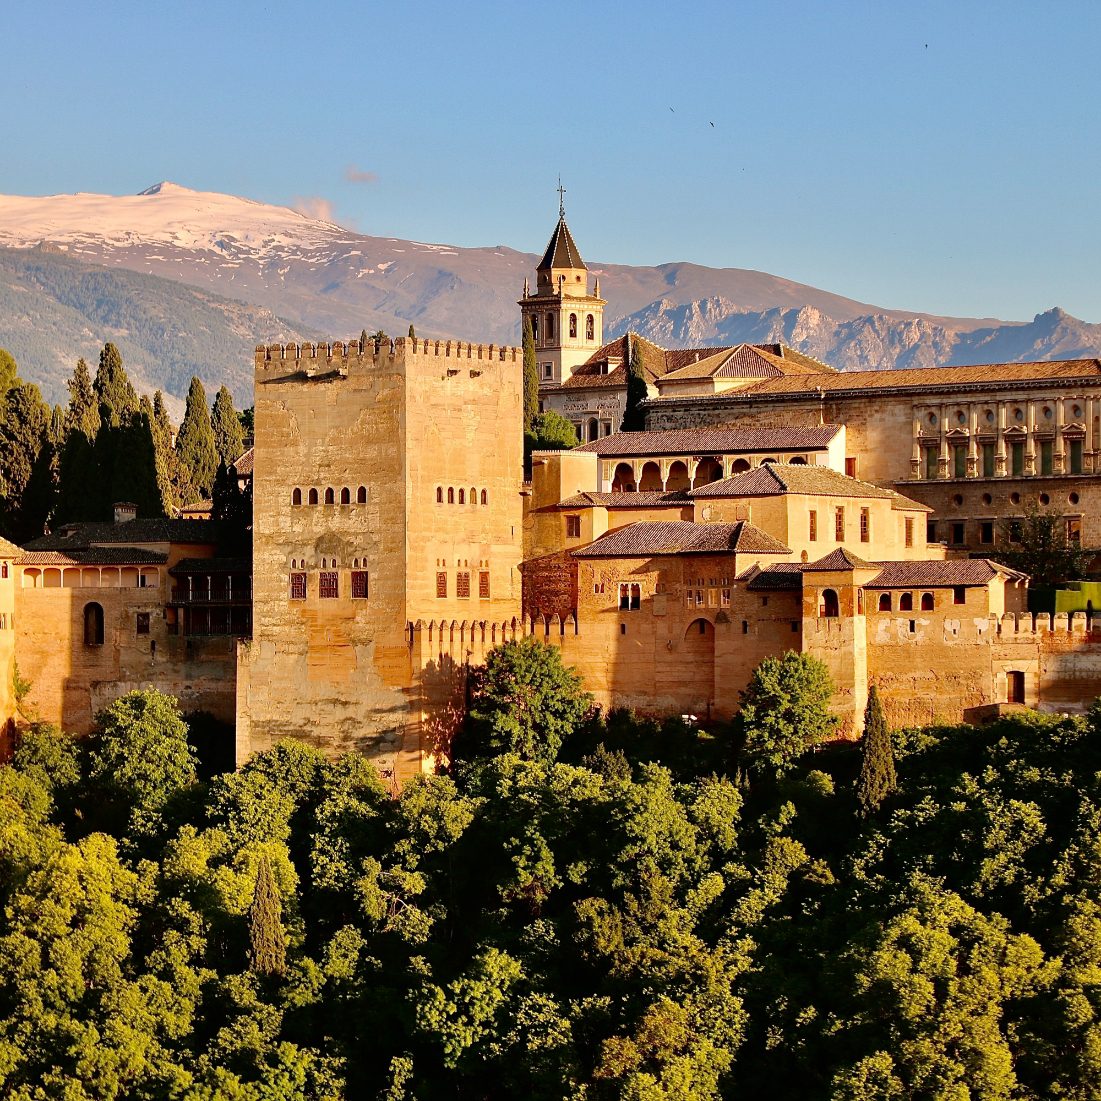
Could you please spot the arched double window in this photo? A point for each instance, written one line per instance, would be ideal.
(93, 624)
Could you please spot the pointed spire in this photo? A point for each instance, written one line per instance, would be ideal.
(596, 288)
(527, 290)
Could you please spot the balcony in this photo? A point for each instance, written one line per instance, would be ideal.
(214, 596)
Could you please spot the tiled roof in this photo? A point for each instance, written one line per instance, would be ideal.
(243, 465)
(748, 361)
(93, 556)
(561, 251)
(777, 577)
(212, 565)
(193, 511)
(8, 549)
(966, 572)
(645, 499)
(930, 378)
(775, 479)
(840, 559)
(712, 441)
(130, 533)
(675, 537)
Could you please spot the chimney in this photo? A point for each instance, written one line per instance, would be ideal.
(125, 511)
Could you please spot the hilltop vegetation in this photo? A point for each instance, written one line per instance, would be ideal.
(604, 907)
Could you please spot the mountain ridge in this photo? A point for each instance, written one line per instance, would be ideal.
(308, 278)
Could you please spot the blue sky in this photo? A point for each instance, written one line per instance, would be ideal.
(940, 157)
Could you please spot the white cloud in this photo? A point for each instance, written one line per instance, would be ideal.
(354, 174)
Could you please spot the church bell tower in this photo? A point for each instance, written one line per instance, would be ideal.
(567, 321)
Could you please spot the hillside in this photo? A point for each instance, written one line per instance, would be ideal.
(54, 308)
(247, 265)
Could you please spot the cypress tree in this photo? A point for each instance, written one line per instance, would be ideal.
(412, 332)
(115, 394)
(166, 462)
(195, 443)
(83, 412)
(24, 432)
(633, 417)
(229, 440)
(531, 377)
(877, 764)
(267, 943)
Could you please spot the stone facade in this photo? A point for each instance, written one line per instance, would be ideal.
(387, 533)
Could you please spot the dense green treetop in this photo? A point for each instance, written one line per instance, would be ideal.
(115, 394)
(229, 440)
(195, 442)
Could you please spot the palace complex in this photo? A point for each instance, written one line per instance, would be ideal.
(771, 504)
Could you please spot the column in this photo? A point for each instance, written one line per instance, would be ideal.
(1090, 458)
(973, 441)
(1030, 438)
(1058, 460)
(915, 454)
(942, 462)
(999, 444)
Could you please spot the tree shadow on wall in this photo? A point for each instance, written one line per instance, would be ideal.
(443, 691)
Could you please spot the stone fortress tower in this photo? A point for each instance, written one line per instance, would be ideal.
(387, 536)
(567, 321)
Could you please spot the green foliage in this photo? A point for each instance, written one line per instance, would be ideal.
(633, 925)
(525, 701)
(877, 760)
(785, 711)
(550, 431)
(115, 394)
(140, 759)
(531, 378)
(195, 443)
(267, 943)
(634, 419)
(9, 372)
(24, 434)
(1038, 546)
(229, 440)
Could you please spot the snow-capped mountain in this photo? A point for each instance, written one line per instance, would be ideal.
(304, 278)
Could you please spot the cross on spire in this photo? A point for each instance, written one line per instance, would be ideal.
(561, 199)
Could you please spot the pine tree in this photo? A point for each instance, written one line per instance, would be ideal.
(877, 765)
(267, 943)
(229, 441)
(634, 419)
(195, 443)
(115, 394)
(531, 377)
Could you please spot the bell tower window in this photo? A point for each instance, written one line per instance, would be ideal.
(550, 326)
(590, 327)
(573, 325)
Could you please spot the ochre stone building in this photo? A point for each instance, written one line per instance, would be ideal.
(772, 504)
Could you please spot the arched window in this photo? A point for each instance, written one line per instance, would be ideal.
(313, 497)
(473, 496)
(590, 328)
(485, 498)
(831, 607)
(330, 496)
(740, 466)
(623, 481)
(93, 624)
(884, 602)
(906, 602)
(592, 429)
(296, 496)
(345, 496)
(439, 495)
(550, 326)
(535, 327)
(462, 496)
(573, 324)
(926, 602)
(361, 496)
(450, 495)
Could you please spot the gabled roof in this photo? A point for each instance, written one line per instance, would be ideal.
(711, 441)
(776, 479)
(840, 559)
(966, 573)
(561, 251)
(645, 499)
(93, 556)
(8, 549)
(776, 577)
(646, 537)
(243, 463)
(748, 361)
(129, 533)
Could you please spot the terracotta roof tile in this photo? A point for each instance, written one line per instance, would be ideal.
(966, 572)
(713, 441)
(840, 559)
(93, 556)
(645, 499)
(775, 479)
(646, 537)
(243, 465)
(777, 577)
(130, 533)
(8, 549)
(930, 378)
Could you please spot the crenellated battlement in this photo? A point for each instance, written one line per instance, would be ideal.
(1036, 624)
(334, 357)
